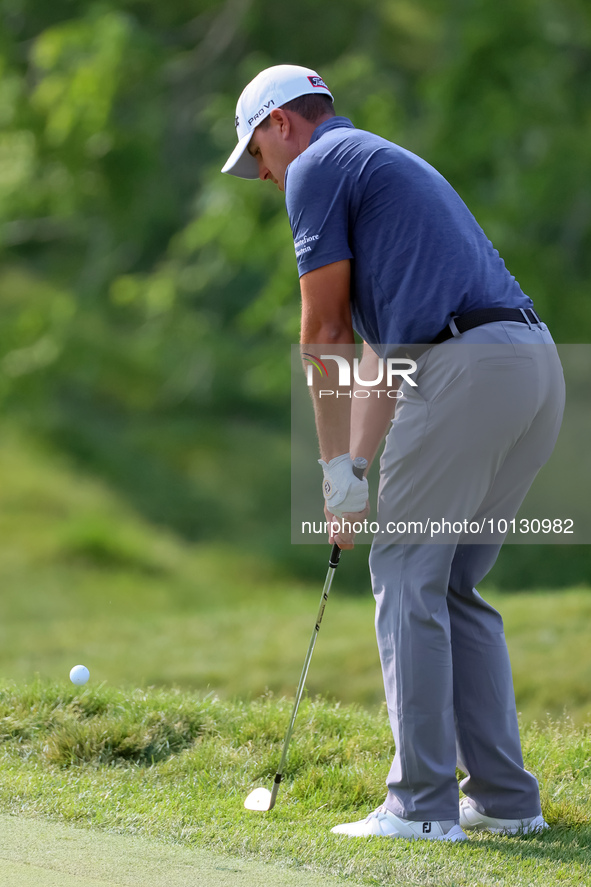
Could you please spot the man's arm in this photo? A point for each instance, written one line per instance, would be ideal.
(344, 424)
(326, 322)
(370, 416)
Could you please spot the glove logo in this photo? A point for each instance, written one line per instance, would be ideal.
(327, 487)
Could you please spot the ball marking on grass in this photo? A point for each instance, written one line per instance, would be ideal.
(79, 675)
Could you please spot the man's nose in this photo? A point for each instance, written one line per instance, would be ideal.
(263, 172)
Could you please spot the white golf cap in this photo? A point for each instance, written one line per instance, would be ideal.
(270, 89)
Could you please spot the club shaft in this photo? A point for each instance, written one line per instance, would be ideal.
(359, 467)
(332, 565)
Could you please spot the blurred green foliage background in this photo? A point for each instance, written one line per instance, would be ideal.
(148, 302)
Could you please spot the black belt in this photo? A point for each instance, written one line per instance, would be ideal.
(480, 316)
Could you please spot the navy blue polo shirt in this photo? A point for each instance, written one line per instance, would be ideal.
(418, 254)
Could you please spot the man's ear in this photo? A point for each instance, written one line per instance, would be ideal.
(280, 119)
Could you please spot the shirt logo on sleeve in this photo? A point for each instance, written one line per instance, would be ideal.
(302, 246)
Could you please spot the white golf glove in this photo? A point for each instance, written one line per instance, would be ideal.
(343, 491)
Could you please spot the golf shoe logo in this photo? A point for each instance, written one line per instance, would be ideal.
(426, 828)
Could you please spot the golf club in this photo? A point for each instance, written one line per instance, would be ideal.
(261, 799)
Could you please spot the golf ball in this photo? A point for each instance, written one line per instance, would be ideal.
(79, 674)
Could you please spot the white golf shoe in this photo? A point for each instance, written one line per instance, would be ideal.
(470, 818)
(384, 824)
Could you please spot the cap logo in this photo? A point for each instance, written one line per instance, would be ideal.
(317, 81)
(261, 112)
(237, 121)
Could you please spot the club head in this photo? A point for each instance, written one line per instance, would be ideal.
(260, 799)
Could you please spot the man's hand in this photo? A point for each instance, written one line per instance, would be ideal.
(344, 485)
(340, 529)
(344, 491)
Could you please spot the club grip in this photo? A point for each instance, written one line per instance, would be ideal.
(359, 466)
(335, 556)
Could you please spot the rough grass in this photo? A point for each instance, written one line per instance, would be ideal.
(84, 579)
(179, 766)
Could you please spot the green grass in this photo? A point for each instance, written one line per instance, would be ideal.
(179, 765)
(84, 579)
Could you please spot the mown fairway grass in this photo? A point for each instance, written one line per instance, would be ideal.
(178, 766)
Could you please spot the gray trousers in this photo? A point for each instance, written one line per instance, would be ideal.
(466, 444)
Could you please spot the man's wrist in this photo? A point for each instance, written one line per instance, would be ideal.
(336, 460)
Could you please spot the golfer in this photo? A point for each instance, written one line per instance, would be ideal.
(387, 249)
